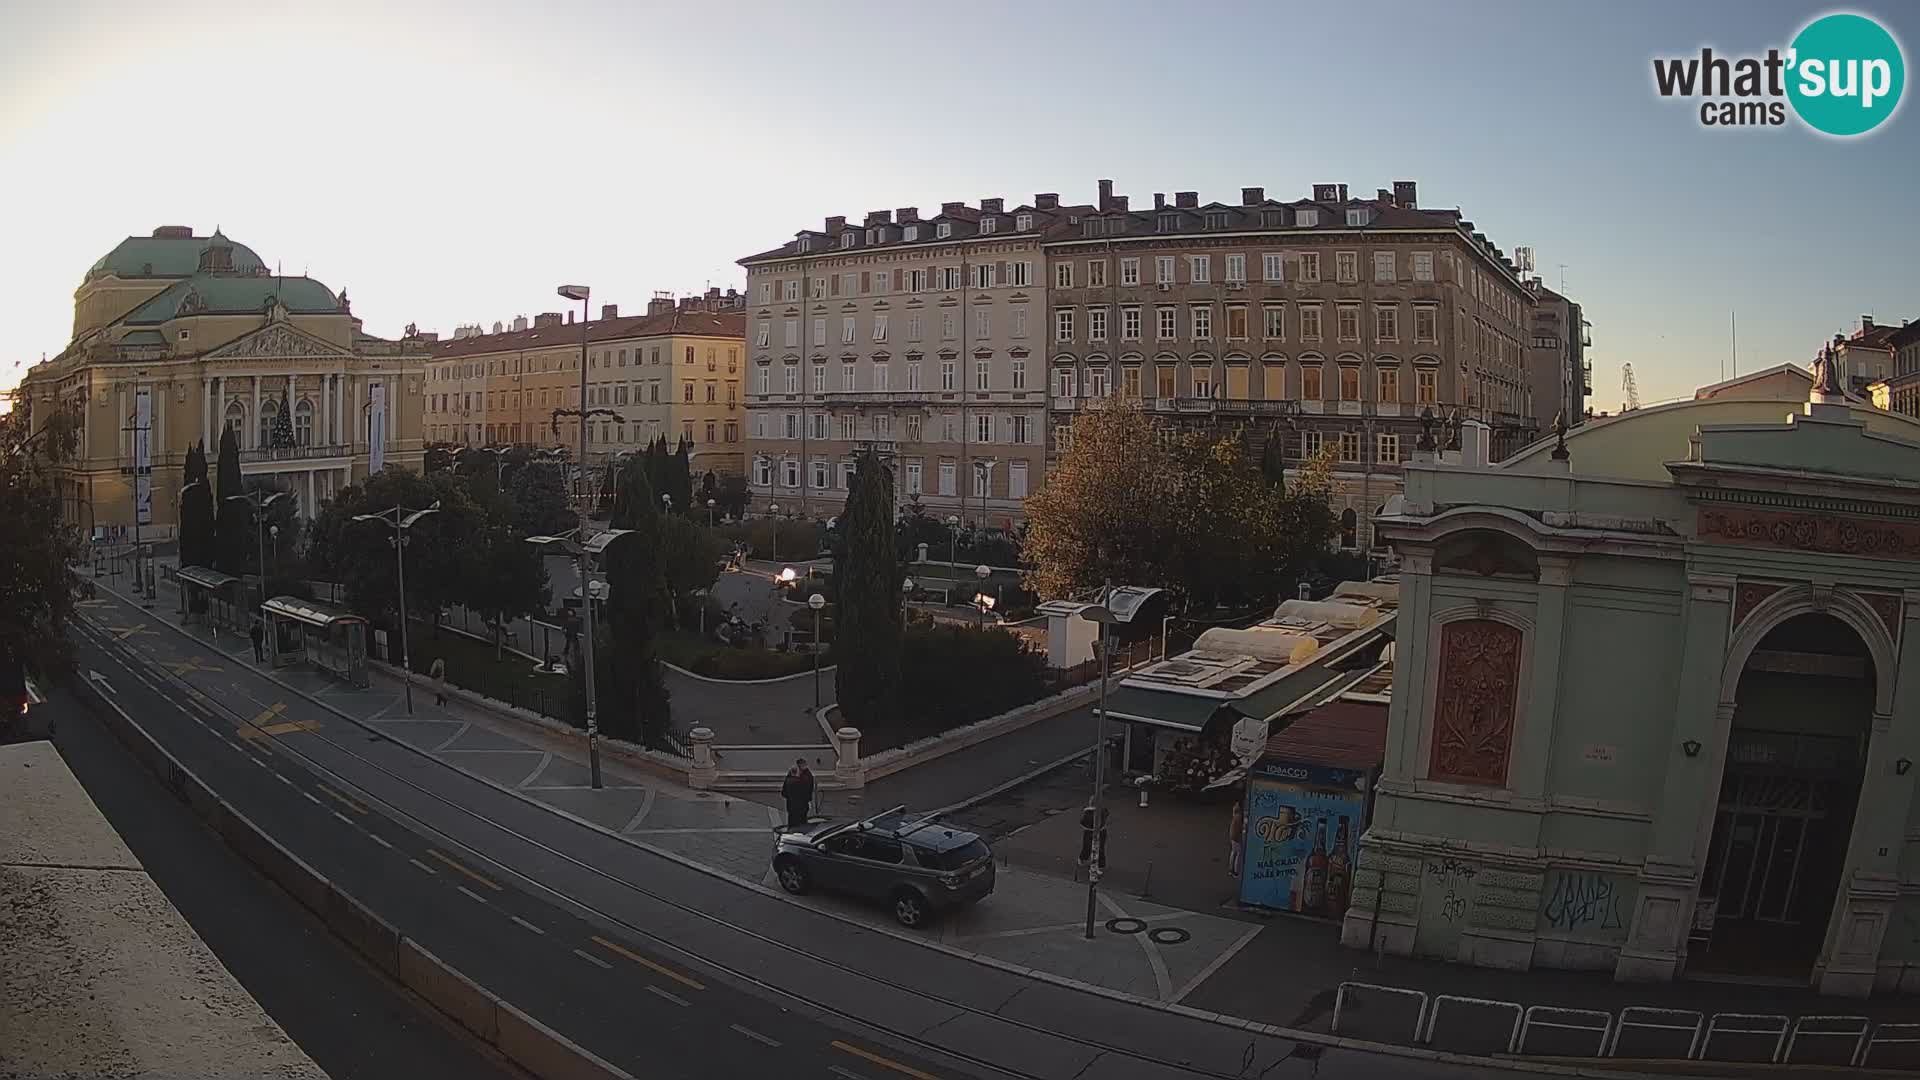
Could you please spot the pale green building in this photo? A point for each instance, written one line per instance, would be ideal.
(1656, 702)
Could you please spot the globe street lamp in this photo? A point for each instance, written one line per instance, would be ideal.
(985, 602)
(257, 503)
(569, 544)
(1117, 607)
(773, 515)
(401, 520)
(710, 505)
(953, 538)
(816, 602)
(906, 593)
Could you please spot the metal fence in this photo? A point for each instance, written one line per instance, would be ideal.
(1471, 1025)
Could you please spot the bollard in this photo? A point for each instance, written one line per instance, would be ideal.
(1146, 888)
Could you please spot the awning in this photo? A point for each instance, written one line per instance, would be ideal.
(205, 578)
(1180, 712)
(310, 612)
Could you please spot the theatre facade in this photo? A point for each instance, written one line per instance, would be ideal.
(1656, 702)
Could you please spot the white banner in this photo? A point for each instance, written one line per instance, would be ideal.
(376, 427)
(143, 456)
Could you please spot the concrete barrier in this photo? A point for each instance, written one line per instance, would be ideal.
(448, 990)
(283, 867)
(547, 1054)
(356, 924)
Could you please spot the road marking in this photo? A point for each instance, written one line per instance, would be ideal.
(592, 959)
(754, 1035)
(662, 969)
(122, 633)
(283, 779)
(378, 839)
(344, 818)
(1216, 964)
(342, 799)
(422, 865)
(525, 925)
(848, 1074)
(438, 856)
(675, 998)
(192, 664)
(308, 795)
(471, 895)
(885, 1063)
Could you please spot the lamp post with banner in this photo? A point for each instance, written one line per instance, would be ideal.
(140, 428)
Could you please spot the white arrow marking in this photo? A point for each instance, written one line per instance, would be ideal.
(96, 677)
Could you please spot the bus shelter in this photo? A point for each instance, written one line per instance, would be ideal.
(305, 631)
(212, 599)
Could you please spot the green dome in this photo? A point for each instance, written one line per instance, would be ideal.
(222, 294)
(173, 251)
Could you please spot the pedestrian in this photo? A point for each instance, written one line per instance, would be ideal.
(258, 632)
(1236, 829)
(797, 789)
(1087, 819)
(438, 673)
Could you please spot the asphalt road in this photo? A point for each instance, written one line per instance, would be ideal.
(648, 962)
(349, 1018)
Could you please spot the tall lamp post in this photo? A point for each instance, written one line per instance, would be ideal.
(710, 505)
(953, 539)
(816, 602)
(400, 519)
(1117, 607)
(773, 513)
(906, 594)
(981, 599)
(581, 293)
(570, 544)
(258, 505)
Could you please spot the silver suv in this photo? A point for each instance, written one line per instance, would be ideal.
(916, 865)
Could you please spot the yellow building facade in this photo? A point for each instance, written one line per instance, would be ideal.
(178, 337)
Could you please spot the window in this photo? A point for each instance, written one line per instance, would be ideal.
(880, 375)
(943, 230)
(949, 428)
(1023, 222)
(1426, 384)
(1202, 382)
(1309, 322)
(913, 327)
(1307, 219)
(1097, 274)
(1063, 382)
(946, 375)
(790, 473)
(1423, 266)
(1063, 437)
(1349, 446)
(1200, 269)
(791, 290)
(1310, 443)
(792, 338)
(846, 377)
(989, 224)
(1130, 324)
(1270, 267)
(1275, 319)
(816, 425)
(1063, 275)
(819, 475)
(982, 374)
(1386, 323)
(688, 395)
(946, 326)
(1389, 384)
(819, 286)
(1164, 323)
(303, 423)
(985, 274)
(846, 330)
(1346, 266)
(946, 478)
(913, 374)
(916, 279)
(1096, 324)
(982, 323)
(880, 328)
(1017, 429)
(1349, 322)
(1383, 266)
(762, 472)
(1020, 274)
(1163, 269)
(1236, 322)
(848, 284)
(1387, 447)
(1236, 269)
(950, 278)
(791, 378)
(1349, 382)
(1063, 325)
(819, 336)
(1130, 381)
(1425, 323)
(762, 335)
(1017, 479)
(1019, 321)
(882, 281)
(913, 478)
(1097, 382)
(1019, 374)
(1168, 223)
(1164, 385)
(1202, 315)
(1310, 266)
(1310, 381)
(846, 475)
(711, 431)
(819, 378)
(982, 480)
(1129, 271)
(846, 239)
(1356, 218)
(766, 292)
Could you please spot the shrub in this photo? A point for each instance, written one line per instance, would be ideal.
(717, 661)
(956, 675)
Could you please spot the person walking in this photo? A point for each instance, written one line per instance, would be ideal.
(258, 632)
(438, 673)
(797, 790)
(1236, 830)
(1087, 819)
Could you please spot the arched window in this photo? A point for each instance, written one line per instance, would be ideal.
(303, 423)
(236, 421)
(268, 410)
(1349, 528)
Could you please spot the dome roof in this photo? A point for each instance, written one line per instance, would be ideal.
(172, 251)
(223, 294)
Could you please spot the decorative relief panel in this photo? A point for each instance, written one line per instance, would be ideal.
(1749, 595)
(1474, 708)
(1825, 533)
(1887, 606)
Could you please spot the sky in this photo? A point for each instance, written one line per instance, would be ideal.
(453, 163)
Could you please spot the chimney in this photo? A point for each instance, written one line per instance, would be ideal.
(1120, 203)
(1159, 200)
(661, 304)
(1343, 193)
(993, 206)
(952, 207)
(1406, 193)
(497, 327)
(1106, 194)
(1047, 200)
(609, 311)
(519, 323)
(1326, 192)
(569, 316)
(879, 217)
(1186, 200)
(1383, 195)
(835, 224)
(174, 232)
(713, 292)
(1866, 323)
(543, 320)
(1252, 196)
(907, 214)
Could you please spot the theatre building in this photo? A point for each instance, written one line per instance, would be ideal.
(1656, 701)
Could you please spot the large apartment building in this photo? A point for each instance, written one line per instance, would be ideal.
(1327, 321)
(922, 338)
(676, 372)
(1557, 361)
(1900, 391)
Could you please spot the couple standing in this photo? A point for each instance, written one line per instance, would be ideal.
(797, 789)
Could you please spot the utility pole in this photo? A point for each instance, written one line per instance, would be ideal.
(140, 425)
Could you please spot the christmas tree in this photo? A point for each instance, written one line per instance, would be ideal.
(282, 436)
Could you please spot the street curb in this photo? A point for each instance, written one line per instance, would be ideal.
(528, 1043)
(1589, 1072)
(745, 682)
(974, 800)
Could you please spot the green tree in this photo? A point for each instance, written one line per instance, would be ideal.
(539, 497)
(508, 581)
(732, 496)
(689, 561)
(196, 510)
(633, 699)
(680, 477)
(866, 574)
(233, 518)
(36, 546)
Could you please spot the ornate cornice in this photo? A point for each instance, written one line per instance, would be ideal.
(1822, 533)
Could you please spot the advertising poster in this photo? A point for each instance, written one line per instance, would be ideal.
(1303, 829)
(143, 456)
(376, 427)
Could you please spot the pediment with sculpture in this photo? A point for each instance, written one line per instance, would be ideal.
(278, 339)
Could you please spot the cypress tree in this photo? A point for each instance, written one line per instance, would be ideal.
(866, 615)
(233, 519)
(634, 703)
(196, 510)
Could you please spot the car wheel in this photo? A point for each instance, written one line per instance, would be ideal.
(793, 876)
(910, 909)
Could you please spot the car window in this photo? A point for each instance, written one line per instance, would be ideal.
(953, 858)
(883, 849)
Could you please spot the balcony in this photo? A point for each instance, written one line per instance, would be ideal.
(875, 397)
(294, 453)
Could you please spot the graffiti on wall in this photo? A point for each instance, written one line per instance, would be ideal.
(1586, 903)
(1452, 877)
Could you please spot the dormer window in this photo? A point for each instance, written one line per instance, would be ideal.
(806, 243)
(943, 230)
(1356, 218)
(1169, 223)
(1216, 219)
(1023, 222)
(847, 238)
(988, 224)
(913, 232)
(1272, 219)
(873, 236)
(1307, 218)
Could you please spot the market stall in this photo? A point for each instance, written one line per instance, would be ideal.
(1309, 796)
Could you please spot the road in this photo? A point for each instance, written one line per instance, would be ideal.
(351, 1020)
(647, 961)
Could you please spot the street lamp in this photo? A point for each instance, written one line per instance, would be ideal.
(569, 544)
(666, 503)
(710, 505)
(985, 602)
(1117, 607)
(773, 513)
(816, 602)
(258, 502)
(906, 593)
(953, 539)
(400, 519)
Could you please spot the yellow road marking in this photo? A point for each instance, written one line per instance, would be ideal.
(684, 980)
(122, 633)
(887, 1063)
(292, 726)
(253, 731)
(342, 799)
(447, 861)
(194, 663)
(90, 603)
(273, 710)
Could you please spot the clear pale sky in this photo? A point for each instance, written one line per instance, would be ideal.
(452, 163)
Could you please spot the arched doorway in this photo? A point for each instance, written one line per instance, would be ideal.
(1796, 755)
